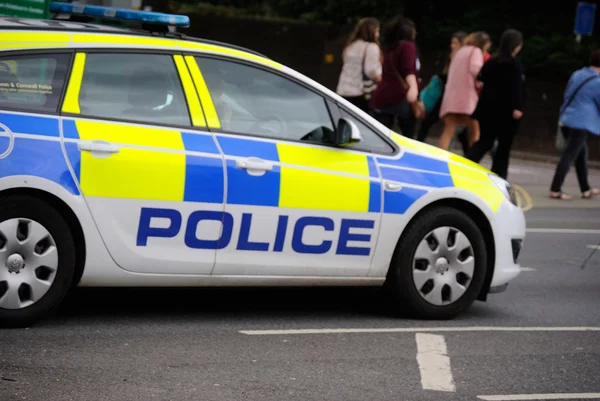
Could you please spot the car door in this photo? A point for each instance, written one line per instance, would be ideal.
(152, 176)
(295, 205)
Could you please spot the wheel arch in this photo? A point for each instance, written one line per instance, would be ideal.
(482, 223)
(70, 217)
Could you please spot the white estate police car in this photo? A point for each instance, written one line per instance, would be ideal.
(137, 158)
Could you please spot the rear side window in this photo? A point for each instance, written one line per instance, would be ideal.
(138, 87)
(33, 82)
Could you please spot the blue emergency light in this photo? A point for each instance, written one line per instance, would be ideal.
(146, 17)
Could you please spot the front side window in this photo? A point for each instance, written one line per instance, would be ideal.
(33, 82)
(137, 87)
(253, 101)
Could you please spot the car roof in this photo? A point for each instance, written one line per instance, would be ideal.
(136, 37)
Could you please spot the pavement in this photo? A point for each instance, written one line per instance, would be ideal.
(538, 340)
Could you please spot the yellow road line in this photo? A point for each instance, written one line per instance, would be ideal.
(524, 195)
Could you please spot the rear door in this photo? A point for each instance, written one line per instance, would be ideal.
(151, 175)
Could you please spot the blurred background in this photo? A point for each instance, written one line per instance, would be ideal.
(309, 35)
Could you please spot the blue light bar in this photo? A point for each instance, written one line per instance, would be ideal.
(120, 14)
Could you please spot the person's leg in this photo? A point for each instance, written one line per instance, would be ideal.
(575, 142)
(406, 120)
(486, 140)
(582, 171)
(474, 130)
(358, 101)
(407, 126)
(505, 135)
(384, 116)
(463, 138)
(448, 132)
(431, 118)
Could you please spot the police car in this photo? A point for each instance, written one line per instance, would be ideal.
(137, 158)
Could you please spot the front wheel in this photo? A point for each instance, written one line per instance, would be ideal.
(439, 266)
(37, 260)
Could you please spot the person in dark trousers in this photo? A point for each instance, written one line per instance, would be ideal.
(500, 106)
(580, 117)
(399, 89)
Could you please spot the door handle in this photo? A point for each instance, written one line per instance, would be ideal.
(254, 166)
(98, 148)
(392, 186)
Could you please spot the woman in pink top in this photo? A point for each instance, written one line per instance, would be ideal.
(461, 92)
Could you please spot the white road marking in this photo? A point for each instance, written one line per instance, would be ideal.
(415, 330)
(528, 269)
(565, 396)
(562, 231)
(597, 247)
(434, 363)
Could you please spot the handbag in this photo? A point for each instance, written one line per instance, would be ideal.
(560, 142)
(417, 108)
(432, 93)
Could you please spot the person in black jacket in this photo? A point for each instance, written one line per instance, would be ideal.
(500, 106)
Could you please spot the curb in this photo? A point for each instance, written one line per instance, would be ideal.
(548, 159)
(529, 156)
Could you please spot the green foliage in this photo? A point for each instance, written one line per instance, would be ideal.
(556, 55)
(550, 49)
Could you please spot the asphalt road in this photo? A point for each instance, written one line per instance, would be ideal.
(221, 344)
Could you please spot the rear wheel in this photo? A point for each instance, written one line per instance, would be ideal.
(37, 260)
(439, 267)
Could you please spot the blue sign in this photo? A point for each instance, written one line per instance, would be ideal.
(584, 19)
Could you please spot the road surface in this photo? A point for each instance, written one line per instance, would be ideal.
(538, 340)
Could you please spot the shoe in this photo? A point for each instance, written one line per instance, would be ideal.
(560, 195)
(592, 192)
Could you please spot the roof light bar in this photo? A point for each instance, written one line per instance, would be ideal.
(120, 14)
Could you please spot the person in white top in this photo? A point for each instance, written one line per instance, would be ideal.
(362, 60)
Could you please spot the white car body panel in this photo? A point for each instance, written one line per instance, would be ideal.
(167, 262)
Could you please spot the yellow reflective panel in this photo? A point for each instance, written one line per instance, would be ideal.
(17, 46)
(97, 38)
(326, 189)
(212, 118)
(190, 93)
(134, 173)
(34, 37)
(71, 102)
(417, 146)
(231, 52)
(477, 182)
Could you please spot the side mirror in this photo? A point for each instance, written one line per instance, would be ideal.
(347, 133)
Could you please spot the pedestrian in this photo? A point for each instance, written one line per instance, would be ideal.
(432, 94)
(362, 58)
(396, 96)
(579, 118)
(461, 90)
(500, 105)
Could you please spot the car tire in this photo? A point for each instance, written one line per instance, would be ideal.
(435, 281)
(37, 260)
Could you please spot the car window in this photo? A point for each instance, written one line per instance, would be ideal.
(137, 87)
(253, 101)
(33, 82)
(372, 142)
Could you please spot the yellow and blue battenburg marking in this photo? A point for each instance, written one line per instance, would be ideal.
(40, 157)
(184, 166)
(301, 177)
(152, 164)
